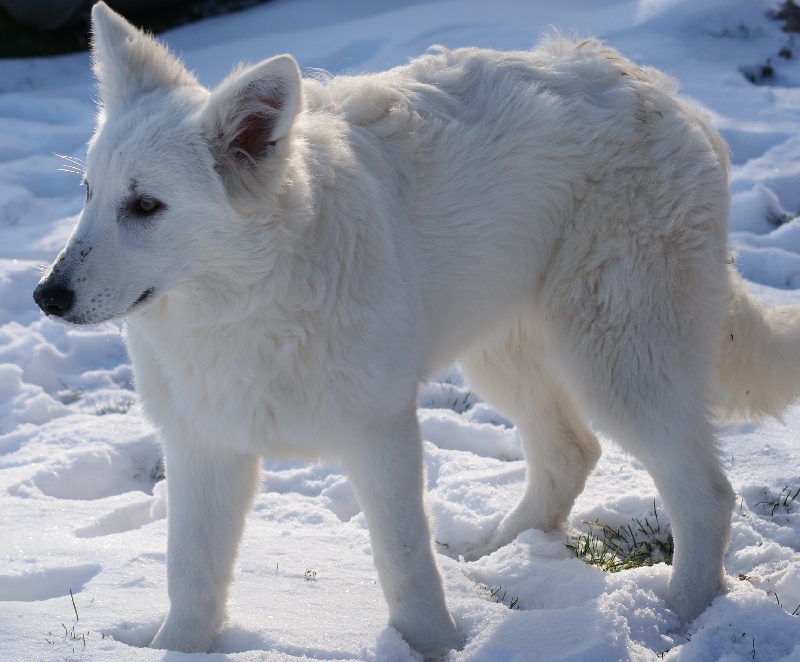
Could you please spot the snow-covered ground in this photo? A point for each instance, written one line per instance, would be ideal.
(82, 503)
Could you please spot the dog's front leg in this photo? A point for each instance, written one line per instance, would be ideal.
(386, 469)
(209, 491)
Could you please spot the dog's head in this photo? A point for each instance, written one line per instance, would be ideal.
(168, 173)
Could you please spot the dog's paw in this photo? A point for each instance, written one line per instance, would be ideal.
(183, 635)
(433, 635)
(485, 548)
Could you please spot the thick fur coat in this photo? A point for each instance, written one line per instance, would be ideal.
(293, 257)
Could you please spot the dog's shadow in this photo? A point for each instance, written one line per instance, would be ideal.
(234, 640)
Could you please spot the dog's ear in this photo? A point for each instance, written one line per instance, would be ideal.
(127, 62)
(251, 111)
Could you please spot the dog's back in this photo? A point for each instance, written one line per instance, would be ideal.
(484, 153)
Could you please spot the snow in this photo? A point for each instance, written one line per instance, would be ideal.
(82, 536)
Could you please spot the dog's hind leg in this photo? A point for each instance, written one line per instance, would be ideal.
(209, 492)
(672, 437)
(385, 464)
(683, 460)
(641, 369)
(560, 450)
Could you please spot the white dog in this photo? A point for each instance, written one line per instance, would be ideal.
(287, 252)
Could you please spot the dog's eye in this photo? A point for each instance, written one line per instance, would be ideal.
(88, 190)
(146, 206)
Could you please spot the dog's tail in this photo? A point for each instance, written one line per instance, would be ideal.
(759, 360)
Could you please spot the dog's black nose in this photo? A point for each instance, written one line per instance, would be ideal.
(54, 299)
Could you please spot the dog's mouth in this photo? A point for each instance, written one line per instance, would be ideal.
(142, 298)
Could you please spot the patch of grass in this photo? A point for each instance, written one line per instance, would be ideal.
(68, 395)
(158, 472)
(761, 74)
(784, 503)
(462, 402)
(447, 396)
(764, 73)
(115, 406)
(741, 31)
(71, 636)
(74, 606)
(120, 404)
(778, 218)
(500, 596)
(789, 13)
(642, 542)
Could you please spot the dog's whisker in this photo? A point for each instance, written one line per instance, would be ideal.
(71, 170)
(72, 159)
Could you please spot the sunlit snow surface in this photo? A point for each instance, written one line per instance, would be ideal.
(81, 497)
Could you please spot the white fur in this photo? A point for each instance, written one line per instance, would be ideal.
(555, 219)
